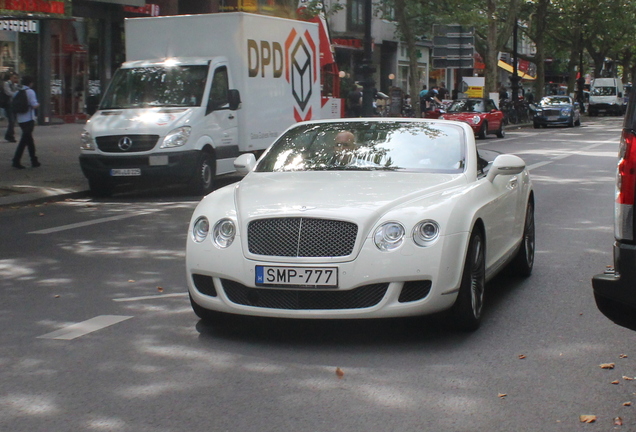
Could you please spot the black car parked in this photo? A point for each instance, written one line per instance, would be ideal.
(615, 290)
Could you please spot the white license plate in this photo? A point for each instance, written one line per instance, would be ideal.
(552, 118)
(297, 276)
(125, 172)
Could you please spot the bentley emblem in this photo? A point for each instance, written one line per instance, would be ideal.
(125, 144)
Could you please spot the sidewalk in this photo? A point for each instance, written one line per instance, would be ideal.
(60, 176)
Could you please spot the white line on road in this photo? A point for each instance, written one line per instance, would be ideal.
(563, 156)
(92, 222)
(82, 328)
(153, 297)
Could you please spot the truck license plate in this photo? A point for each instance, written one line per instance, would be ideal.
(125, 172)
(297, 276)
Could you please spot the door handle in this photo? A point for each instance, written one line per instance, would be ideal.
(512, 183)
(231, 116)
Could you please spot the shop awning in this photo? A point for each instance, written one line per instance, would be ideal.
(508, 68)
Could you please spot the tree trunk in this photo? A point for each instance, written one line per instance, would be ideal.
(411, 48)
(491, 48)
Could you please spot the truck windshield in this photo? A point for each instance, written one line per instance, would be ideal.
(604, 91)
(175, 86)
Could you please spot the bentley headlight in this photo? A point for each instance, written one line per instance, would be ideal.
(87, 141)
(200, 229)
(224, 233)
(566, 111)
(476, 120)
(389, 236)
(177, 137)
(425, 233)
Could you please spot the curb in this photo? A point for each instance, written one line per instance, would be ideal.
(39, 196)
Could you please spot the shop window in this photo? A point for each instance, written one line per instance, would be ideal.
(355, 15)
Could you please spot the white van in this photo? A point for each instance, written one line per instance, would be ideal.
(195, 92)
(607, 97)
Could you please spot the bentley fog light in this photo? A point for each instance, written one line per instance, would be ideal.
(425, 233)
(476, 120)
(200, 229)
(87, 141)
(177, 137)
(389, 236)
(224, 233)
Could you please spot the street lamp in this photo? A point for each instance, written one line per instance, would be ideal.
(514, 80)
(366, 68)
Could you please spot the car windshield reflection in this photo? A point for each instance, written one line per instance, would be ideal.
(460, 106)
(368, 146)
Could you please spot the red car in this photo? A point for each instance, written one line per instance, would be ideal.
(481, 114)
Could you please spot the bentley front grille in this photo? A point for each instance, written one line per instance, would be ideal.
(294, 299)
(301, 237)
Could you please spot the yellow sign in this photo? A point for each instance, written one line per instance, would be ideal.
(475, 92)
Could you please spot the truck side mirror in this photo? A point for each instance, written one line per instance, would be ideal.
(234, 98)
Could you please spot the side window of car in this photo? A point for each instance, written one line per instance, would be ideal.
(490, 105)
(219, 92)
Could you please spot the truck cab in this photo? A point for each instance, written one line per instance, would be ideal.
(607, 97)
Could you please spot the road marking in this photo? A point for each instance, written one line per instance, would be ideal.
(85, 327)
(563, 156)
(93, 222)
(129, 299)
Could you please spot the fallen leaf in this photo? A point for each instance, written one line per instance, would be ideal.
(502, 395)
(41, 214)
(616, 382)
(521, 356)
(587, 418)
(618, 421)
(339, 372)
(159, 289)
(607, 365)
(130, 280)
(57, 296)
(622, 356)
(628, 378)
(628, 403)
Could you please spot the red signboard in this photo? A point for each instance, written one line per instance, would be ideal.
(148, 9)
(44, 6)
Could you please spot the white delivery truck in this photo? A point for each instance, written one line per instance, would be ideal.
(195, 92)
(606, 96)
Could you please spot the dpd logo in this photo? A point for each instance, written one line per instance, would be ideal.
(300, 71)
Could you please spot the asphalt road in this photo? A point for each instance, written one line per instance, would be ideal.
(98, 335)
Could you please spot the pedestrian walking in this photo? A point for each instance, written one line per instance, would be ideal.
(355, 102)
(9, 89)
(25, 117)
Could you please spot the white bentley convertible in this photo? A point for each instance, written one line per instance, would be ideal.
(362, 218)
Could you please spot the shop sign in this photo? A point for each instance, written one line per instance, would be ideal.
(20, 26)
(149, 9)
(44, 6)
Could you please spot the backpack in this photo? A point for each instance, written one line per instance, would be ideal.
(20, 102)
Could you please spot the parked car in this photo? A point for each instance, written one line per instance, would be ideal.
(557, 110)
(481, 114)
(615, 289)
(362, 218)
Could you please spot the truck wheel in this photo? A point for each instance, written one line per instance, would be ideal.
(203, 180)
(466, 312)
(100, 188)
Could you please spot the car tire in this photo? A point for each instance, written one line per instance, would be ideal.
(466, 312)
(501, 133)
(571, 122)
(203, 181)
(100, 188)
(206, 315)
(483, 130)
(523, 261)
(577, 122)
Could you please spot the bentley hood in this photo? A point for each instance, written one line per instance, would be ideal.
(360, 197)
